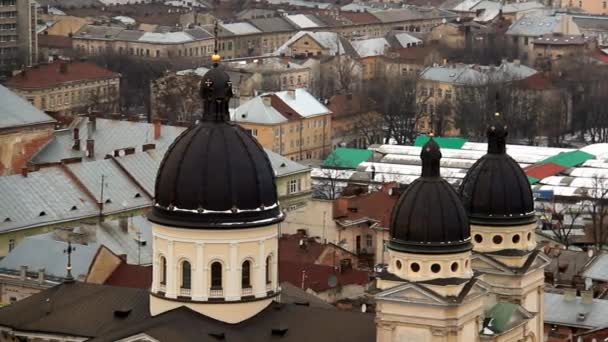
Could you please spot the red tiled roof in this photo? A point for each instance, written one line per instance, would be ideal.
(54, 41)
(360, 17)
(283, 108)
(376, 205)
(540, 171)
(135, 276)
(48, 75)
(601, 56)
(537, 81)
(290, 250)
(316, 276)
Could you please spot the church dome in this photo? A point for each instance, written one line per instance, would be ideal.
(429, 217)
(215, 174)
(496, 191)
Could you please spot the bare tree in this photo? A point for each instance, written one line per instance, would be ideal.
(401, 104)
(175, 97)
(597, 204)
(562, 220)
(368, 128)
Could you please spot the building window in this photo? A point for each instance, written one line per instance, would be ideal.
(11, 244)
(186, 275)
(268, 270)
(163, 271)
(369, 240)
(246, 275)
(253, 132)
(293, 186)
(216, 275)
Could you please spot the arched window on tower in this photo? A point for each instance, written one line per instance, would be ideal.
(246, 278)
(186, 278)
(216, 280)
(268, 272)
(163, 271)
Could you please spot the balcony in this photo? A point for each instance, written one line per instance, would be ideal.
(184, 292)
(247, 291)
(216, 292)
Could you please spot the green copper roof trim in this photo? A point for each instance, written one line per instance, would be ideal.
(443, 142)
(569, 159)
(532, 180)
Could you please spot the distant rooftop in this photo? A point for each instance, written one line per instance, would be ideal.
(17, 112)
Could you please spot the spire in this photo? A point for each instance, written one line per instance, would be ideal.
(216, 88)
(431, 156)
(69, 278)
(497, 136)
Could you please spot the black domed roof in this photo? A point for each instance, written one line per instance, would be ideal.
(215, 175)
(429, 217)
(496, 191)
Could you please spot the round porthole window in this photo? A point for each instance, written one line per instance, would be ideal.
(497, 239)
(515, 238)
(398, 264)
(415, 267)
(435, 268)
(478, 238)
(454, 267)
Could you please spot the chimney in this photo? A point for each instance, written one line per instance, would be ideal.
(90, 148)
(587, 296)
(267, 101)
(41, 276)
(24, 171)
(63, 68)
(76, 146)
(157, 129)
(123, 223)
(90, 130)
(569, 295)
(147, 147)
(23, 272)
(93, 121)
(291, 93)
(516, 62)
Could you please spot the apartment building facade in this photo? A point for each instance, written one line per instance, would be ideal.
(68, 88)
(292, 123)
(18, 39)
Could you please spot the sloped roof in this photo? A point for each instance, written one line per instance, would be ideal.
(45, 196)
(543, 170)
(134, 276)
(376, 206)
(274, 24)
(303, 103)
(39, 253)
(49, 75)
(77, 309)
(16, 111)
(370, 47)
(534, 25)
(344, 157)
(443, 142)
(241, 28)
(284, 166)
(256, 111)
(598, 270)
(303, 21)
(329, 40)
(565, 313)
(569, 159)
(317, 276)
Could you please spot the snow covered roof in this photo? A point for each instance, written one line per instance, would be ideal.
(125, 20)
(406, 40)
(241, 28)
(329, 40)
(302, 21)
(370, 47)
(476, 74)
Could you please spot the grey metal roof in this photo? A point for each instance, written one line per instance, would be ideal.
(112, 236)
(534, 25)
(241, 28)
(119, 193)
(199, 33)
(598, 270)
(39, 252)
(110, 135)
(130, 35)
(42, 197)
(143, 167)
(474, 74)
(15, 111)
(274, 24)
(98, 32)
(562, 312)
(411, 13)
(284, 166)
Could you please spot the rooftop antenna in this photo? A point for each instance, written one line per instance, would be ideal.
(216, 42)
(69, 278)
